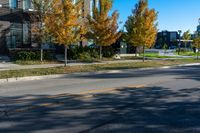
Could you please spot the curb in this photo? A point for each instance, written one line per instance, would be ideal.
(32, 78)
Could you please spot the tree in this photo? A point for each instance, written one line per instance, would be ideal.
(41, 7)
(102, 28)
(196, 43)
(64, 23)
(141, 26)
(186, 36)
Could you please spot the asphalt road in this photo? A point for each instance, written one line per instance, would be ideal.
(129, 101)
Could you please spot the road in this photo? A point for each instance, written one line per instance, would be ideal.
(128, 101)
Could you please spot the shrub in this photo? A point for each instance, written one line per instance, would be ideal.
(108, 52)
(94, 53)
(29, 55)
(75, 52)
(23, 55)
(86, 57)
(181, 50)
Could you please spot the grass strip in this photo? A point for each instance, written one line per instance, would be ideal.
(91, 68)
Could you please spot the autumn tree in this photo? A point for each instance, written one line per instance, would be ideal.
(64, 23)
(196, 43)
(186, 36)
(141, 26)
(102, 28)
(41, 9)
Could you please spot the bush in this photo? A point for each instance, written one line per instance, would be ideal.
(108, 52)
(23, 55)
(86, 57)
(181, 50)
(76, 52)
(29, 55)
(94, 53)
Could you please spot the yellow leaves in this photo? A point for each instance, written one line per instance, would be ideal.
(63, 23)
(196, 42)
(141, 27)
(103, 28)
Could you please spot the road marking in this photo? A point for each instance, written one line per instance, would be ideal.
(111, 89)
(97, 91)
(85, 94)
(136, 86)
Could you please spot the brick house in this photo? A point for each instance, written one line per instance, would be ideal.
(15, 31)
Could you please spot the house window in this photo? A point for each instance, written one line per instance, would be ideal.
(16, 35)
(26, 4)
(26, 33)
(13, 4)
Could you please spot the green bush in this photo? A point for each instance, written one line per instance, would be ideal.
(75, 52)
(30, 55)
(86, 57)
(181, 50)
(94, 53)
(108, 52)
(23, 55)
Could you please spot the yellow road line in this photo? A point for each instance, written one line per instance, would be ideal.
(97, 91)
(89, 92)
(110, 89)
(136, 86)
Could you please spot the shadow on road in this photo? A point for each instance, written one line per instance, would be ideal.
(189, 72)
(148, 110)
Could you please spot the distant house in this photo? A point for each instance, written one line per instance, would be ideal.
(15, 32)
(168, 38)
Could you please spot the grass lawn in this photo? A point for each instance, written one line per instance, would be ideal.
(91, 68)
(156, 55)
(190, 53)
(36, 62)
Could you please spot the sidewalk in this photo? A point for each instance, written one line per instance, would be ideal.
(10, 66)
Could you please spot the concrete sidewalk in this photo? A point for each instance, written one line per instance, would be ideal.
(10, 66)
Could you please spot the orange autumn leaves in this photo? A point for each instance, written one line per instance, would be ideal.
(65, 22)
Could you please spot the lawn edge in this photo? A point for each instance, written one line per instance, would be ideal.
(54, 76)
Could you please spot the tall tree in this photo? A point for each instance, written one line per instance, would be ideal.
(41, 7)
(186, 36)
(64, 23)
(102, 28)
(141, 26)
(196, 43)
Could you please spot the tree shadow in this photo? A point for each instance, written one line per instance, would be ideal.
(187, 72)
(149, 109)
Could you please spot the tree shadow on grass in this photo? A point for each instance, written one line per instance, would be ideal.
(148, 110)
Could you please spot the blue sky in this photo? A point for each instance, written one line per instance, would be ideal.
(173, 14)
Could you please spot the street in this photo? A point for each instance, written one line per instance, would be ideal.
(127, 101)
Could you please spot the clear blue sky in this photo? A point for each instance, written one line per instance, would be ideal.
(173, 14)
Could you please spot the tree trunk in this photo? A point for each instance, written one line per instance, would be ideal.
(100, 53)
(198, 54)
(66, 56)
(185, 46)
(41, 54)
(179, 49)
(143, 53)
(136, 52)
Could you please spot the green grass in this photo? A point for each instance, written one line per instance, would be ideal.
(36, 62)
(91, 68)
(191, 53)
(156, 55)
